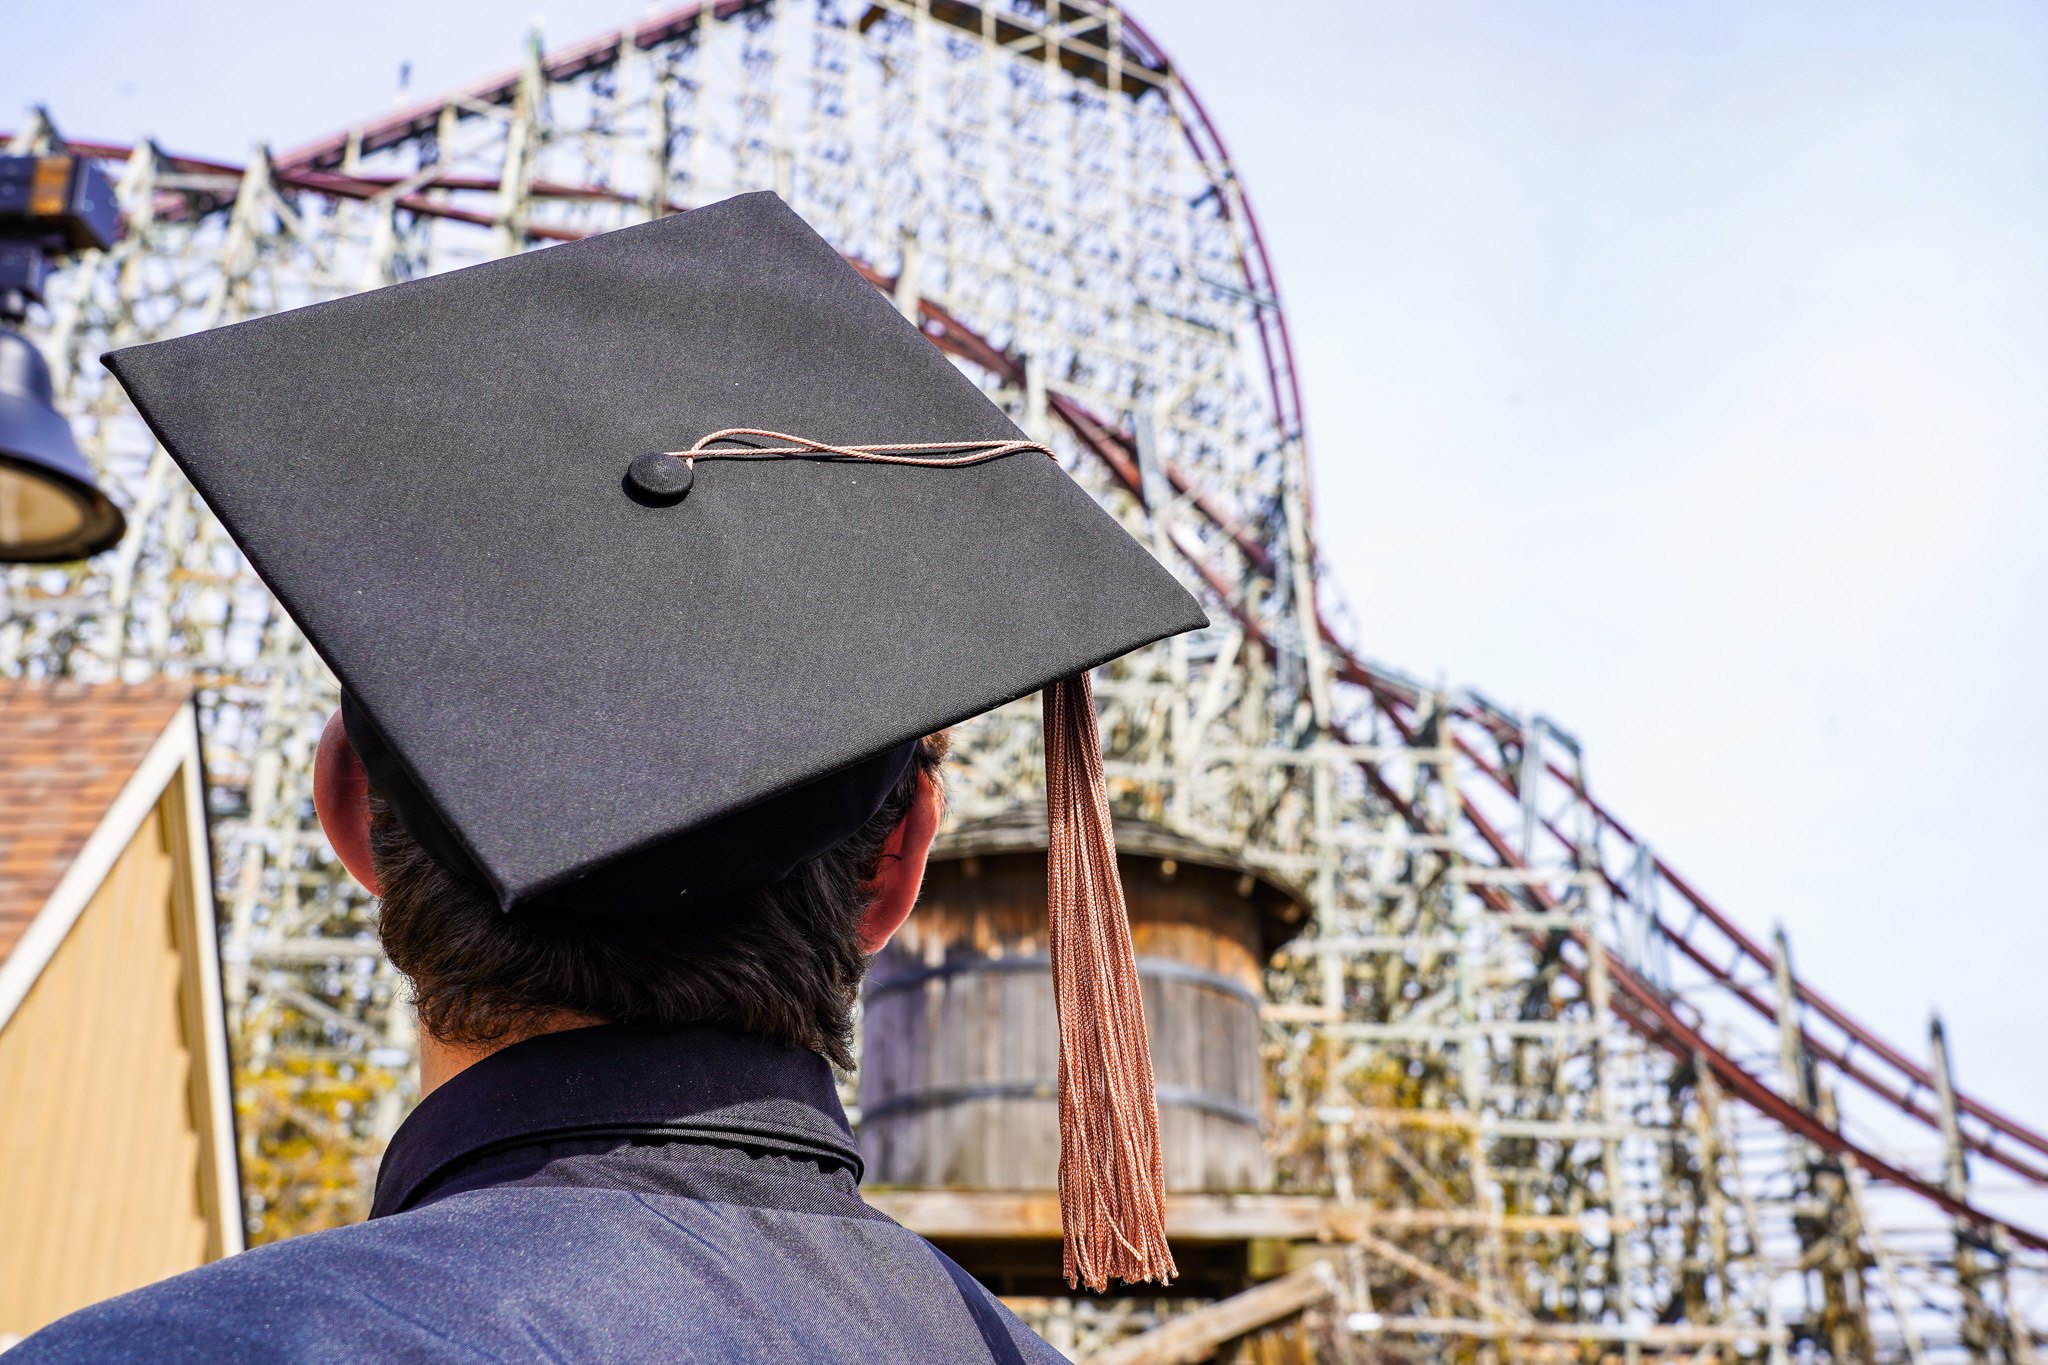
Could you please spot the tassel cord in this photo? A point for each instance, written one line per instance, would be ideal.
(1112, 1178)
(719, 446)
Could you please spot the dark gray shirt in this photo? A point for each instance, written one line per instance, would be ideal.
(606, 1194)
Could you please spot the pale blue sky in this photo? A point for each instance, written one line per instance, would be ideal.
(1675, 369)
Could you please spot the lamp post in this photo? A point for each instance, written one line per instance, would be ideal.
(51, 508)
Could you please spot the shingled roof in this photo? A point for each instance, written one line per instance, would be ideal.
(66, 751)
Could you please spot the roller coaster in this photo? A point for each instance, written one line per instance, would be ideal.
(1549, 1101)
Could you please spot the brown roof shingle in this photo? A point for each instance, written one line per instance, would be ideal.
(66, 750)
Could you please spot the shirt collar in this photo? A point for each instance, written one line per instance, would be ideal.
(701, 1083)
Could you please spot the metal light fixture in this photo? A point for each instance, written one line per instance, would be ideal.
(51, 509)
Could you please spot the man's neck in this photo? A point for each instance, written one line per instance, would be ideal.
(441, 1062)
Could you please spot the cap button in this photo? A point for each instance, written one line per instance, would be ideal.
(660, 477)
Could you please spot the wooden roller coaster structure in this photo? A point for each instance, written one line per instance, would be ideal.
(1531, 1095)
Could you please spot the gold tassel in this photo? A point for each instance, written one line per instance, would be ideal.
(1112, 1181)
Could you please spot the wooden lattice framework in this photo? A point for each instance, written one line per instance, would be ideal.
(1539, 1098)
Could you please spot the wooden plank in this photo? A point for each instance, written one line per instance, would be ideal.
(1448, 1284)
(1656, 1335)
(1197, 1217)
(100, 1188)
(1197, 1336)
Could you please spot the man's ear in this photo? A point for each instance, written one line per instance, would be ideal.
(901, 870)
(341, 796)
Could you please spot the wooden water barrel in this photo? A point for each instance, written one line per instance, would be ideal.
(959, 1050)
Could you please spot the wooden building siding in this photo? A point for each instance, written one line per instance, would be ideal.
(116, 1155)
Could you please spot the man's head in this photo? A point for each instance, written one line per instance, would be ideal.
(782, 962)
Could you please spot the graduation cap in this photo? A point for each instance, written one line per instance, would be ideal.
(645, 560)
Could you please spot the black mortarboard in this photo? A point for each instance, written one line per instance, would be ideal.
(589, 687)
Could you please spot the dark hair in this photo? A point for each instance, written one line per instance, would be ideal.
(783, 962)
